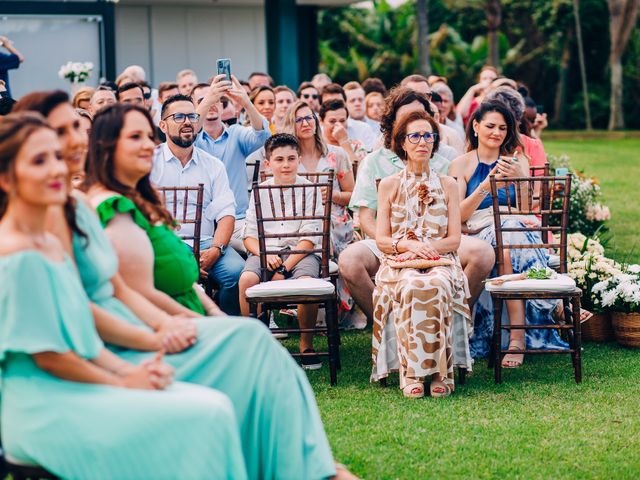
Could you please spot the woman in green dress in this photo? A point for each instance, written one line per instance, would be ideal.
(68, 404)
(262, 392)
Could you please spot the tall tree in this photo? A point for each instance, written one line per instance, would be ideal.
(622, 19)
(493, 12)
(424, 47)
(583, 70)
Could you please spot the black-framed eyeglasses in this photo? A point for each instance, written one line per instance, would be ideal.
(146, 95)
(308, 119)
(310, 95)
(181, 117)
(428, 137)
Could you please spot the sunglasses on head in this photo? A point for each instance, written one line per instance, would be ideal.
(310, 95)
(146, 95)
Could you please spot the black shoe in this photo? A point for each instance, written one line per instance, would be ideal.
(311, 362)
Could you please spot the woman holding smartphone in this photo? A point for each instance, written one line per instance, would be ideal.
(493, 140)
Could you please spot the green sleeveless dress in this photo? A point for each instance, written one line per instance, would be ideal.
(280, 427)
(175, 269)
(80, 430)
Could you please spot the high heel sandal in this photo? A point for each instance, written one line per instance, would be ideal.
(439, 389)
(414, 390)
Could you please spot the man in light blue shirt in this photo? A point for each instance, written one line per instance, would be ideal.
(178, 163)
(231, 144)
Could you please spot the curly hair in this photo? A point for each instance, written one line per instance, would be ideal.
(398, 97)
(107, 127)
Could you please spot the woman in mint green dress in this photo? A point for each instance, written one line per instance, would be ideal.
(281, 431)
(68, 404)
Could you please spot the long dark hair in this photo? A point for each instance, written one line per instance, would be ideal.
(100, 167)
(15, 129)
(45, 102)
(512, 140)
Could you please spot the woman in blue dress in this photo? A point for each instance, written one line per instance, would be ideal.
(280, 428)
(68, 404)
(493, 139)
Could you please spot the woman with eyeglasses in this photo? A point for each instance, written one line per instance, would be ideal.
(264, 99)
(309, 94)
(317, 156)
(493, 141)
(418, 220)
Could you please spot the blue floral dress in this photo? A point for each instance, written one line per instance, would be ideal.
(537, 312)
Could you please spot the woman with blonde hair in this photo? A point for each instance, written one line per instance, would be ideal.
(82, 98)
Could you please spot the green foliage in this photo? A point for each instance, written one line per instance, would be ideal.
(356, 43)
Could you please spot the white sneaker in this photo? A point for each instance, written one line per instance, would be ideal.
(273, 324)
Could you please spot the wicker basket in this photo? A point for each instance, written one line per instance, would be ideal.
(626, 327)
(598, 328)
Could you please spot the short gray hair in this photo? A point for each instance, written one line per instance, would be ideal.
(510, 98)
(442, 88)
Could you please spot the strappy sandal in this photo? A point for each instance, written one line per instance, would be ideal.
(439, 389)
(558, 315)
(414, 390)
(515, 345)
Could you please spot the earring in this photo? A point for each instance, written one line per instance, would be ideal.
(475, 134)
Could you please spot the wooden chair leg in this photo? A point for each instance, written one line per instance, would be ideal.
(383, 383)
(497, 339)
(331, 313)
(462, 375)
(577, 339)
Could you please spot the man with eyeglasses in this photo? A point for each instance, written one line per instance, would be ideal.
(308, 93)
(231, 144)
(131, 93)
(179, 163)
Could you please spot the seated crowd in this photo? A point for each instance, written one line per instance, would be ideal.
(103, 307)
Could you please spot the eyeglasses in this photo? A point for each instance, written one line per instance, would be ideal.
(308, 119)
(310, 95)
(429, 137)
(147, 95)
(181, 117)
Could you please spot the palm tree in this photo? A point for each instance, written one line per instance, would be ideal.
(422, 15)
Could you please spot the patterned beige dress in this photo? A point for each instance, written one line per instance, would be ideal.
(415, 310)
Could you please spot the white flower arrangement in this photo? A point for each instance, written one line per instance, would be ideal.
(76, 72)
(587, 265)
(621, 292)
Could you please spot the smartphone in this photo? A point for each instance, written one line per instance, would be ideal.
(224, 67)
(540, 108)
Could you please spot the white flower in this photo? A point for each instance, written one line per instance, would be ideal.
(635, 268)
(609, 298)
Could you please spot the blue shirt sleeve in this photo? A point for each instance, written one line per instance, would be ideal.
(250, 140)
(9, 61)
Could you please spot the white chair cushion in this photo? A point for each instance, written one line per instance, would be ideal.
(333, 267)
(554, 261)
(562, 283)
(286, 288)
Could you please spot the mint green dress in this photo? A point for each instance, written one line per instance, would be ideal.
(280, 427)
(79, 430)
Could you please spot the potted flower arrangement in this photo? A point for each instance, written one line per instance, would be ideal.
(76, 73)
(587, 213)
(621, 294)
(587, 265)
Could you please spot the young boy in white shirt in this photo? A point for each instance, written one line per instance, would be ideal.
(282, 157)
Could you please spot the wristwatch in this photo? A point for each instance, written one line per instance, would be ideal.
(220, 247)
(283, 271)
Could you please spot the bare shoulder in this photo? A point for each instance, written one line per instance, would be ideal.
(390, 183)
(81, 196)
(12, 242)
(97, 195)
(461, 164)
(448, 182)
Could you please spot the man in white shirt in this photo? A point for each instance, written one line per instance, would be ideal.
(178, 163)
(357, 106)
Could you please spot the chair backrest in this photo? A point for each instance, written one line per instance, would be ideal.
(541, 170)
(302, 207)
(174, 196)
(313, 177)
(253, 172)
(542, 197)
(354, 167)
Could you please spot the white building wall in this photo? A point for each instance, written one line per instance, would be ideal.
(165, 39)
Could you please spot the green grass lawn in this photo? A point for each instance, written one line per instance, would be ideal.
(616, 163)
(538, 423)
